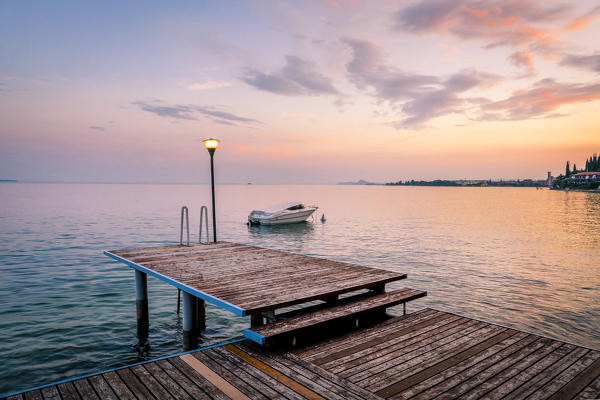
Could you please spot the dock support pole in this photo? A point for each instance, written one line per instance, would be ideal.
(190, 323)
(141, 304)
(380, 289)
(256, 320)
(200, 314)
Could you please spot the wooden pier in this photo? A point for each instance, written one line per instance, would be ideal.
(423, 355)
(254, 281)
(343, 346)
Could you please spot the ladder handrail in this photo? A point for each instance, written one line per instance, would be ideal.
(184, 210)
(203, 216)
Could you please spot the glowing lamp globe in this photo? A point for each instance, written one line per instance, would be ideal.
(211, 145)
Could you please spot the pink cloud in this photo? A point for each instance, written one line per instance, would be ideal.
(496, 23)
(540, 100)
(522, 59)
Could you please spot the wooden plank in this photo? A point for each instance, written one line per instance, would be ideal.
(187, 385)
(152, 384)
(269, 387)
(34, 395)
(439, 377)
(336, 312)
(356, 362)
(68, 391)
(561, 380)
(15, 397)
(134, 384)
(429, 356)
(254, 286)
(579, 382)
(102, 388)
(256, 290)
(293, 270)
(590, 392)
(332, 377)
(311, 371)
(303, 389)
(237, 265)
(324, 386)
(230, 376)
(51, 393)
(411, 346)
(213, 378)
(219, 246)
(84, 389)
(388, 342)
(118, 386)
(525, 375)
(169, 384)
(198, 379)
(238, 276)
(546, 375)
(417, 355)
(482, 383)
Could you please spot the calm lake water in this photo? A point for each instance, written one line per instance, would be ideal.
(521, 257)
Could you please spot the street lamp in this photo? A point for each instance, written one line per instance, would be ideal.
(211, 145)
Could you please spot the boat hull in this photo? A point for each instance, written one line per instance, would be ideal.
(283, 218)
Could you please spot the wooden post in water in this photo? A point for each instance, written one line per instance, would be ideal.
(190, 322)
(141, 304)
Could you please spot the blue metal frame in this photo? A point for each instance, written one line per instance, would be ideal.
(122, 367)
(204, 296)
(255, 337)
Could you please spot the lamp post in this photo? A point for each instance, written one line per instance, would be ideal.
(211, 145)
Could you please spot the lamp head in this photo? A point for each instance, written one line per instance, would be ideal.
(211, 145)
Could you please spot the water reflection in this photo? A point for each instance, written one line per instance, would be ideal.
(295, 230)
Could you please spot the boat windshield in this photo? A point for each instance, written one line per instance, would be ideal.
(296, 207)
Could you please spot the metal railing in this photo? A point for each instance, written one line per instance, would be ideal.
(184, 210)
(203, 217)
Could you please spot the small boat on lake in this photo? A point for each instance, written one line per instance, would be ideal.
(284, 213)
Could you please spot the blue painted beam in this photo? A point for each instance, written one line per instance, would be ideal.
(255, 337)
(195, 292)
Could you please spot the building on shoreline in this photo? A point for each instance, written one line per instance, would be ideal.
(585, 177)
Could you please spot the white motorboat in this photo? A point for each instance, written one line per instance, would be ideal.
(284, 213)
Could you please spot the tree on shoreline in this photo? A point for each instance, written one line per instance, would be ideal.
(592, 164)
(568, 170)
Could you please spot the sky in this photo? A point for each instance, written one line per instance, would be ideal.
(297, 91)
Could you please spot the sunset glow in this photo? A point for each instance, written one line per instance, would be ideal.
(297, 92)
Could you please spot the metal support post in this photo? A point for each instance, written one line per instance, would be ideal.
(190, 324)
(200, 314)
(141, 304)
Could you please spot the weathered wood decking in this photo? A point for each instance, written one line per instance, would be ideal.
(432, 354)
(249, 280)
(234, 371)
(424, 355)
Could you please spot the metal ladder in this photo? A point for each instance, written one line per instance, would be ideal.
(186, 217)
